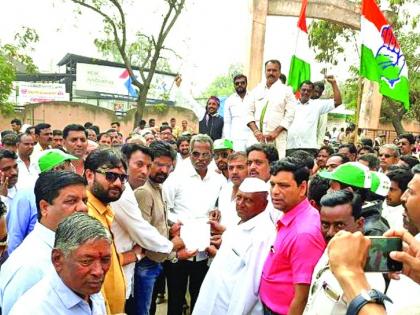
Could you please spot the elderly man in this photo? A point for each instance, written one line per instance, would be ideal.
(302, 133)
(340, 210)
(75, 143)
(81, 257)
(389, 154)
(222, 148)
(191, 194)
(272, 109)
(299, 244)
(58, 194)
(236, 114)
(232, 282)
(105, 172)
(22, 215)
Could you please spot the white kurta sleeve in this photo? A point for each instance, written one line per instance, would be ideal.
(290, 108)
(227, 117)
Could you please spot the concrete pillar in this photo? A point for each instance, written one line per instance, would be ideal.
(259, 10)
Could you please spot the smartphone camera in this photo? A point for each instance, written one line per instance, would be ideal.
(378, 257)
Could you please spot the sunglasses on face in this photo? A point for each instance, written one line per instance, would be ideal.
(387, 156)
(112, 177)
(205, 155)
(222, 155)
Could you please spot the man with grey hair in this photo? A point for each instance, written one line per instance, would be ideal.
(191, 194)
(81, 257)
(58, 195)
(389, 154)
(231, 285)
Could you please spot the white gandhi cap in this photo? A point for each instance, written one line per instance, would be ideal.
(253, 184)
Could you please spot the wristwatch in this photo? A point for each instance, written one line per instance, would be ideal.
(365, 297)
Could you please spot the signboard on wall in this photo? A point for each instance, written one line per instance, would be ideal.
(97, 80)
(34, 92)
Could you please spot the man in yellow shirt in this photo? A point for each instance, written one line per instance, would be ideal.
(105, 172)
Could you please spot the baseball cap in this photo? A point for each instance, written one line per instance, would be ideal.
(52, 158)
(351, 173)
(223, 144)
(380, 184)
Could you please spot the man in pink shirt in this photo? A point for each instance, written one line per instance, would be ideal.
(299, 244)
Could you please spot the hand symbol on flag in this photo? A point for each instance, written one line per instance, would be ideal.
(390, 57)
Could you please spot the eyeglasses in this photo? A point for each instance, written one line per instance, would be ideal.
(112, 177)
(205, 155)
(387, 156)
(223, 155)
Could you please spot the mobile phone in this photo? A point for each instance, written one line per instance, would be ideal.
(378, 256)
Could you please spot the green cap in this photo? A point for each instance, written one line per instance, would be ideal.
(52, 158)
(222, 144)
(380, 184)
(351, 173)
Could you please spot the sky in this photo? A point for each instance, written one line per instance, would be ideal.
(210, 35)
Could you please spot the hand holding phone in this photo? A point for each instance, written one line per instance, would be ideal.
(379, 259)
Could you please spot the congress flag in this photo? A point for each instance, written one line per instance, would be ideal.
(300, 68)
(381, 57)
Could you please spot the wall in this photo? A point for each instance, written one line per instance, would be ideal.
(60, 114)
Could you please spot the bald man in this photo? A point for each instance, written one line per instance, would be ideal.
(232, 282)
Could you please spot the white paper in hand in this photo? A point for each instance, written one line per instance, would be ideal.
(196, 234)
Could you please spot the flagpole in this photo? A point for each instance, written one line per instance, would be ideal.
(360, 86)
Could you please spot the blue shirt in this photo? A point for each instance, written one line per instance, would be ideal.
(21, 218)
(52, 296)
(26, 266)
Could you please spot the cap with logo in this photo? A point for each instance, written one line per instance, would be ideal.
(380, 184)
(53, 157)
(351, 173)
(223, 144)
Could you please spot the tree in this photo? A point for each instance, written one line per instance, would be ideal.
(223, 84)
(13, 58)
(327, 39)
(145, 51)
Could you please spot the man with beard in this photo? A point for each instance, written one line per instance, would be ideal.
(153, 209)
(75, 143)
(340, 210)
(129, 227)
(272, 109)
(183, 145)
(57, 139)
(191, 194)
(8, 176)
(222, 148)
(105, 172)
(236, 113)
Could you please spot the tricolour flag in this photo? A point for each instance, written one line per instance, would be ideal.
(381, 57)
(300, 68)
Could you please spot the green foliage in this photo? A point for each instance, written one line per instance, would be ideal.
(14, 57)
(161, 107)
(223, 85)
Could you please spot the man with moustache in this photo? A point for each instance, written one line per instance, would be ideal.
(236, 113)
(105, 172)
(8, 176)
(75, 143)
(272, 110)
(129, 227)
(183, 145)
(340, 210)
(222, 148)
(260, 157)
(27, 170)
(153, 209)
(43, 137)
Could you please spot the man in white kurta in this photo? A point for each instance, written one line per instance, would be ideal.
(232, 282)
(236, 114)
(272, 109)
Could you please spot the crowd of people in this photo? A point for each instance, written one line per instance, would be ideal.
(256, 213)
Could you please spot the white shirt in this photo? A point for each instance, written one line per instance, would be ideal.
(26, 266)
(27, 176)
(232, 282)
(227, 206)
(52, 296)
(7, 200)
(235, 119)
(394, 216)
(303, 131)
(129, 228)
(326, 295)
(189, 197)
(180, 162)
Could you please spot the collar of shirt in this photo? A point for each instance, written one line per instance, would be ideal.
(155, 186)
(289, 216)
(64, 293)
(104, 210)
(252, 223)
(45, 234)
